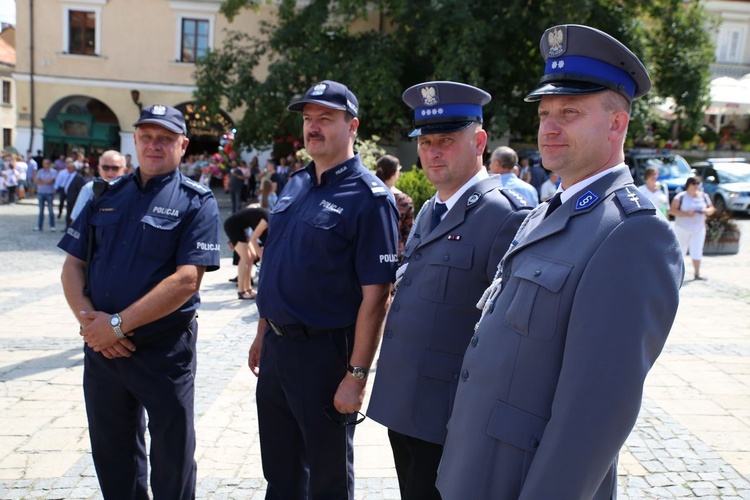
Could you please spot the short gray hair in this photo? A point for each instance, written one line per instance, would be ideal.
(505, 156)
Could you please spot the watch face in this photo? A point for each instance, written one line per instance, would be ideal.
(358, 372)
(114, 320)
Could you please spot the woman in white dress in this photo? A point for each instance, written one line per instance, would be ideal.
(690, 209)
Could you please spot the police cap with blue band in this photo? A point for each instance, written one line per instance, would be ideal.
(166, 116)
(583, 60)
(330, 94)
(444, 107)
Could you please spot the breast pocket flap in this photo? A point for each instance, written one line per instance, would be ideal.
(456, 255)
(163, 223)
(547, 273)
(323, 219)
(516, 427)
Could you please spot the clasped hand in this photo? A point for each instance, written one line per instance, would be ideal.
(99, 336)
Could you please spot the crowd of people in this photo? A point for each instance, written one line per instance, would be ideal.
(517, 313)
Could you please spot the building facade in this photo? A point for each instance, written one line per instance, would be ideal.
(731, 36)
(8, 96)
(91, 65)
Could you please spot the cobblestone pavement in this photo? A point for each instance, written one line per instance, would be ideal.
(692, 438)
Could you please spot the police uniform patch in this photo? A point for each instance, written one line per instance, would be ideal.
(429, 96)
(159, 110)
(556, 41)
(319, 89)
(475, 197)
(586, 200)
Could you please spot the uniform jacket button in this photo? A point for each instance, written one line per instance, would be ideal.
(534, 443)
(465, 375)
(417, 256)
(474, 341)
(407, 281)
(389, 334)
(396, 307)
(446, 258)
(537, 272)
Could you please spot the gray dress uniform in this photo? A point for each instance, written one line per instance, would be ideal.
(551, 382)
(433, 313)
(535, 415)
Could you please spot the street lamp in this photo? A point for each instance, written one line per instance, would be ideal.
(135, 95)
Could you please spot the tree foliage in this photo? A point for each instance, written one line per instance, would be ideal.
(493, 45)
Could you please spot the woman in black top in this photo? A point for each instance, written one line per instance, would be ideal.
(249, 249)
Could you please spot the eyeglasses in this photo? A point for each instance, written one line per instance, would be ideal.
(344, 419)
(110, 168)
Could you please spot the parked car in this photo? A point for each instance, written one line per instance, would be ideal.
(727, 182)
(673, 169)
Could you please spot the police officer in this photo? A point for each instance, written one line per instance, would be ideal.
(551, 382)
(445, 271)
(323, 292)
(503, 161)
(154, 234)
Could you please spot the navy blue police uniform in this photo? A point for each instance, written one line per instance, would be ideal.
(142, 234)
(325, 242)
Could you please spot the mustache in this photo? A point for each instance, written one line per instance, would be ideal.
(314, 135)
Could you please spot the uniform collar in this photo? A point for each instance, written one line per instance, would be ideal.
(479, 176)
(337, 173)
(579, 186)
(154, 181)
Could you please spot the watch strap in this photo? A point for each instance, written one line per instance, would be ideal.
(116, 328)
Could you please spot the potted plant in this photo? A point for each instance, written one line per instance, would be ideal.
(709, 136)
(722, 235)
(744, 138)
(685, 136)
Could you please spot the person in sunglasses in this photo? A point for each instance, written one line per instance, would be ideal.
(111, 166)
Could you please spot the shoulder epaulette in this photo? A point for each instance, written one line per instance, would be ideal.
(518, 201)
(375, 185)
(195, 186)
(632, 200)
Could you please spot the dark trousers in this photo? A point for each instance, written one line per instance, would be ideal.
(158, 377)
(61, 205)
(416, 465)
(305, 455)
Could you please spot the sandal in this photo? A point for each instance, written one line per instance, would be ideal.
(247, 295)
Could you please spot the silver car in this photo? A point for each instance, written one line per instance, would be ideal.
(727, 183)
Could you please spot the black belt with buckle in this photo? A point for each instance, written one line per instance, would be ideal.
(296, 331)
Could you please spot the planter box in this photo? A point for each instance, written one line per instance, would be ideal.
(726, 245)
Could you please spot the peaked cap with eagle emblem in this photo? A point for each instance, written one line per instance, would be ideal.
(583, 60)
(444, 107)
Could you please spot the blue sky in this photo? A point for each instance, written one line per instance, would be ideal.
(8, 11)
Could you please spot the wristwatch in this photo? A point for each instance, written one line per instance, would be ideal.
(358, 372)
(115, 321)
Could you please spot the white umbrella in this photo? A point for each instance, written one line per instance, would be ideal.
(729, 96)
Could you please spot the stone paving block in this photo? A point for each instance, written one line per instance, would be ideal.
(41, 390)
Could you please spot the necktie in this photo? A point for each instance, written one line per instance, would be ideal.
(437, 214)
(554, 202)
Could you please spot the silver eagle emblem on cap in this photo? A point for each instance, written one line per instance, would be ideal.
(556, 41)
(319, 89)
(159, 110)
(429, 96)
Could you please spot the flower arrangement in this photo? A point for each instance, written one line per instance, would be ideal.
(718, 225)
